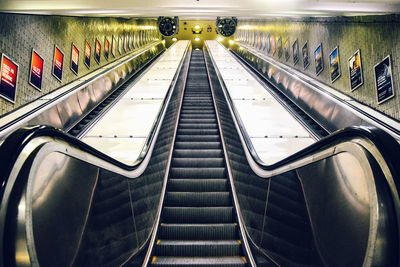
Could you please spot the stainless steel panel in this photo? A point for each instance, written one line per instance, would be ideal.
(69, 111)
(50, 117)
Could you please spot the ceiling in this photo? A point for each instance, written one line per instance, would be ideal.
(202, 9)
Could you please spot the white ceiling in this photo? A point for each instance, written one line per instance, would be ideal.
(202, 9)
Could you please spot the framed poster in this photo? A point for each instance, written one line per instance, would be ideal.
(306, 56)
(286, 50)
(58, 63)
(97, 51)
(279, 47)
(74, 59)
(114, 46)
(36, 70)
(355, 71)
(268, 43)
(384, 80)
(120, 44)
(130, 42)
(334, 64)
(273, 45)
(8, 79)
(295, 49)
(319, 59)
(106, 48)
(88, 52)
(126, 43)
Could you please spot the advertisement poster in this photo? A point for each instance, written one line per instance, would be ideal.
(334, 64)
(130, 43)
(36, 70)
(295, 48)
(106, 48)
(8, 79)
(319, 59)
(88, 51)
(58, 63)
(279, 47)
(120, 44)
(273, 45)
(384, 80)
(114, 46)
(355, 69)
(125, 43)
(74, 59)
(286, 50)
(268, 43)
(306, 56)
(97, 51)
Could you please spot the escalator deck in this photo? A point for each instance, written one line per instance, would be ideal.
(198, 225)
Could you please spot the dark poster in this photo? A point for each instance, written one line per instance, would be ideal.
(319, 59)
(74, 59)
(355, 69)
(8, 79)
(306, 57)
(286, 50)
(268, 43)
(334, 64)
(114, 46)
(58, 63)
(36, 70)
(106, 48)
(295, 48)
(88, 52)
(97, 51)
(279, 47)
(384, 80)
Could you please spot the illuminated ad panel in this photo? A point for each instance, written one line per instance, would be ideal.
(114, 46)
(88, 51)
(74, 59)
(36, 70)
(106, 48)
(8, 79)
(97, 51)
(58, 63)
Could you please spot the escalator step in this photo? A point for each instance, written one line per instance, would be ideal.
(200, 261)
(198, 126)
(198, 215)
(199, 153)
(197, 172)
(198, 247)
(198, 199)
(198, 145)
(200, 121)
(197, 138)
(199, 163)
(199, 231)
(198, 131)
(198, 185)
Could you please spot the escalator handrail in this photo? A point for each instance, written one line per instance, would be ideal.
(123, 61)
(15, 143)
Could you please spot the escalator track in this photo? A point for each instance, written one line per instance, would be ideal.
(198, 225)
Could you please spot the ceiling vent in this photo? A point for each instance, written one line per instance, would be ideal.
(168, 26)
(226, 26)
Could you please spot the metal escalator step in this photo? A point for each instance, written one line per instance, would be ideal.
(197, 172)
(198, 185)
(198, 145)
(197, 138)
(198, 126)
(198, 199)
(198, 248)
(216, 231)
(198, 153)
(198, 162)
(198, 215)
(200, 261)
(197, 131)
(203, 115)
(195, 120)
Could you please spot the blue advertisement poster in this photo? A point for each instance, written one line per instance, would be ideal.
(319, 59)
(384, 80)
(355, 71)
(334, 64)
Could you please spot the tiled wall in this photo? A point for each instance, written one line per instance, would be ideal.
(19, 34)
(375, 36)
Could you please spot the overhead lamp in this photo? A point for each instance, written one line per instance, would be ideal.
(231, 42)
(197, 39)
(219, 39)
(197, 29)
(174, 39)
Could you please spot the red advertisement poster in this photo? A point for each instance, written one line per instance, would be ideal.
(97, 51)
(8, 79)
(74, 59)
(106, 48)
(36, 70)
(58, 63)
(88, 51)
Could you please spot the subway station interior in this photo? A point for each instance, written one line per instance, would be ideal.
(200, 133)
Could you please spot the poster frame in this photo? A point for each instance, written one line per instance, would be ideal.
(106, 52)
(391, 80)
(114, 43)
(56, 47)
(279, 47)
(305, 66)
(97, 42)
(77, 66)
(338, 56)
(317, 72)
(295, 52)
(30, 71)
(358, 51)
(16, 79)
(86, 59)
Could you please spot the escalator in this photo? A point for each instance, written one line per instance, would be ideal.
(198, 225)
